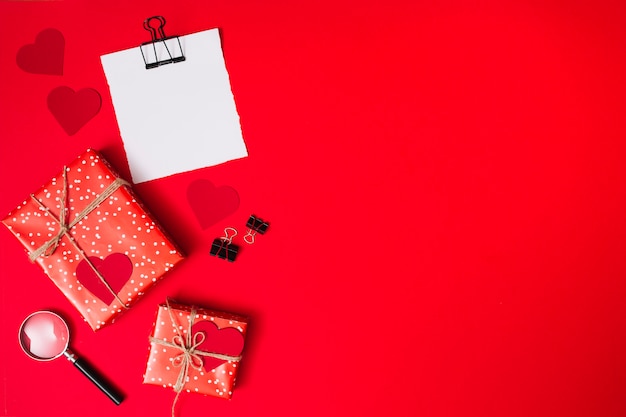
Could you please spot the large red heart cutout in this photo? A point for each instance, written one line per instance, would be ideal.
(227, 341)
(116, 270)
(73, 109)
(211, 204)
(45, 56)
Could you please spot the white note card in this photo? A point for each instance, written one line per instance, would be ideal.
(177, 117)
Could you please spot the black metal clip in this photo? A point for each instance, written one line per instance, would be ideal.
(151, 57)
(223, 247)
(255, 225)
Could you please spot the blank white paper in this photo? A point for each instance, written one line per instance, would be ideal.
(177, 117)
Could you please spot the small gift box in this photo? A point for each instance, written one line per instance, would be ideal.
(195, 350)
(93, 238)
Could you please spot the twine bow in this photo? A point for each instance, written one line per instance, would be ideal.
(190, 355)
(51, 245)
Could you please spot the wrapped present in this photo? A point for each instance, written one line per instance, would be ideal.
(195, 350)
(93, 238)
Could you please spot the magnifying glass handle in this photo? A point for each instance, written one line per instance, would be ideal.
(96, 378)
(104, 386)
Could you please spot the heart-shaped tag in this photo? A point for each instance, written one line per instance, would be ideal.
(116, 270)
(73, 109)
(45, 56)
(211, 204)
(227, 341)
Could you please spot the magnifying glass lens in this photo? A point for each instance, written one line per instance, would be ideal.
(44, 336)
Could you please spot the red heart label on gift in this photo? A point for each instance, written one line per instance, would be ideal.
(227, 341)
(211, 204)
(73, 109)
(116, 270)
(45, 56)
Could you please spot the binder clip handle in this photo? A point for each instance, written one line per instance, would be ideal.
(227, 238)
(156, 32)
(249, 237)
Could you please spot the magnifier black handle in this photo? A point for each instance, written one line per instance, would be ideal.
(99, 381)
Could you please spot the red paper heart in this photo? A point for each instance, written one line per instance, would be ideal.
(73, 109)
(116, 270)
(211, 204)
(227, 341)
(45, 56)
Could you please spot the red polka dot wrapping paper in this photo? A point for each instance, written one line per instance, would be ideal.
(118, 227)
(217, 381)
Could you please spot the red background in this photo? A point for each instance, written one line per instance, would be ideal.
(445, 186)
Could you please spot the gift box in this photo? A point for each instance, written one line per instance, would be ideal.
(93, 238)
(194, 349)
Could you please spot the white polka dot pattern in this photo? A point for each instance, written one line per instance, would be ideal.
(218, 382)
(120, 224)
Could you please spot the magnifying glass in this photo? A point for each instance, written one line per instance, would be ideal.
(45, 336)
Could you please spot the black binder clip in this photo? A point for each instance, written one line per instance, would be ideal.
(223, 247)
(161, 49)
(255, 225)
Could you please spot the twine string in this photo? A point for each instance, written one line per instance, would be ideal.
(48, 248)
(190, 356)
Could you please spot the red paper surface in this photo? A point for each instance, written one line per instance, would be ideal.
(445, 186)
(44, 55)
(73, 109)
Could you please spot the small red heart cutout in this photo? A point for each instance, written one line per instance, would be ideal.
(211, 204)
(45, 56)
(227, 341)
(116, 270)
(73, 109)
